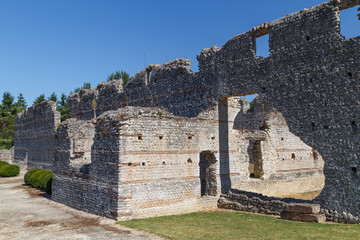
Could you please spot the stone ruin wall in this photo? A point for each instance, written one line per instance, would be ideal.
(7, 155)
(311, 77)
(144, 162)
(146, 158)
(34, 137)
(171, 86)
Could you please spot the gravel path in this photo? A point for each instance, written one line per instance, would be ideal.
(27, 213)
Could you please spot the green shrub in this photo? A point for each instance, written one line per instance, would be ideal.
(47, 182)
(2, 164)
(41, 183)
(39, 178)
(34, 179)
(9, 171)
(28, 175)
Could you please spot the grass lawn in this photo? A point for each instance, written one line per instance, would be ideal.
(239, 225)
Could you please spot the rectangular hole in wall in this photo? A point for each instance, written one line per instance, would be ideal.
(262, 46)
(350, 23)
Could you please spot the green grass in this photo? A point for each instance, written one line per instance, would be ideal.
(239, 225)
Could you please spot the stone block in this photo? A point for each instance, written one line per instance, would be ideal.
(305, 208)
(293, 216)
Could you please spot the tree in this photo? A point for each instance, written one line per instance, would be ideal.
(53, 97)
(63, 108)
(8, 111)
(39, 99)
(86, 85)
(252, 103)
(119, 74)
(21, 102)
(7, 101)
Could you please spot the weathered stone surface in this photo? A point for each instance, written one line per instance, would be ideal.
(254, 202)
(302, 208)
(7, 155)
(310, 217)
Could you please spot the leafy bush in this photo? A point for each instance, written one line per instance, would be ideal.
(9, 171)
(36, 177)
(2, 164)
(39, 178)
(46, 182)
(28, 175)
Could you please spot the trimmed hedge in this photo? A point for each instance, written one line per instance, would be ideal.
(28, 175)
(39, 178)
(9, 171)
(47, 182)
(2, 164)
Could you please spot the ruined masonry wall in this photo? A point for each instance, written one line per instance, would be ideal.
(34, 137)
(144, 162)
(312, 77)
(171, 86)
(86, 170)
(159, 162)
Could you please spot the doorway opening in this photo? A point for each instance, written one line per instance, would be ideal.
(207, 166)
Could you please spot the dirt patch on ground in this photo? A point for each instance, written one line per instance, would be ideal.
(306, 195)
(28, 213)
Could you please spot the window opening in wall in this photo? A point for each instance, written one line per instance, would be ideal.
(161, 137)
(143, 164)
(140, 138)
(189, 160)
(250, 98)
(207, 166)
(349, 23)
(293, 156)
(262, 46)
(189, 137)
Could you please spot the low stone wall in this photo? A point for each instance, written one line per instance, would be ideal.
(254, 202)
(7, 155)
(258, 203)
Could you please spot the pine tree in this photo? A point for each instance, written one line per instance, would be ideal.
(21, 102)
(86, 85)
(119, 74)
(7, 121)
(53, 97)
(63, 107)
(39, 99)
(7, 101)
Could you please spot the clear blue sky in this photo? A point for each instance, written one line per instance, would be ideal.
(58, 45)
